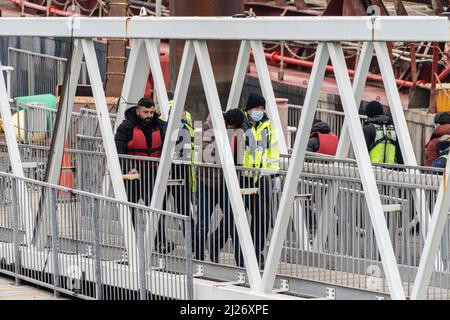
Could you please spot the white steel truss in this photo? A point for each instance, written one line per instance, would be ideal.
(399, 120)
(86, 47)
(377, 28)
(328, 31)
(15, 160)
(199, 49)
(324, 52)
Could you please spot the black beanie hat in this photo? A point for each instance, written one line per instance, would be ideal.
(442, 118)
(374, 108)
(255, 100)
(146, 102)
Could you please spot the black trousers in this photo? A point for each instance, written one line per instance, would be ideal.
(182, 200)
(259, 207)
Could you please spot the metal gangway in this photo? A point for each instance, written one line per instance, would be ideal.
(339, 228)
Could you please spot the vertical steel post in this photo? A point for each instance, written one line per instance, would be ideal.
(97, 250)
(189, 264)
(141, 253)
(55, 241)
(16, 233)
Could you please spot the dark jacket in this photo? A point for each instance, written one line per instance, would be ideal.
(370, 133)
(124, 132)
(314, 143)
(431, 148)
(213, 177)
(210, 177)
(441, 160)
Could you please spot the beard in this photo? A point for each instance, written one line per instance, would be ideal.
(146, 121)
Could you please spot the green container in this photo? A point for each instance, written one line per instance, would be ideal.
(48, 99)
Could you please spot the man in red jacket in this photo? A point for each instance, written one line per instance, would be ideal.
(321, 139)
(442, 123)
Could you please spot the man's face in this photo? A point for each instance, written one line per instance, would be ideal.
(255, 109)
(145, 114)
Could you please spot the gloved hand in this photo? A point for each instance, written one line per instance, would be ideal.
(276, 185)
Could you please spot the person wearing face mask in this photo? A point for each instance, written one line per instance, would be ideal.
(442, 128)
(140, 134)
(261, 151)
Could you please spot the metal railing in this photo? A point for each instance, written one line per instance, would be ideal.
(335, 120)
(36, 73)
(36, 125)
(84, 253)
(330, 237)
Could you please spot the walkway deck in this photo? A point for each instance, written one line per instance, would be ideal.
(9, 291)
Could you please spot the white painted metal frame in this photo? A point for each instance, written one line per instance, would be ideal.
(295, 167)
(398, 117)
(324, 30)
(359, 83)
(86, 47)
(14, 159)
(335, 52)
(59, 138)
(264, 80)
(199, 49)
(439, 220)
(408, 29)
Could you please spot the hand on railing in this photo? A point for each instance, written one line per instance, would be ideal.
(276, 185)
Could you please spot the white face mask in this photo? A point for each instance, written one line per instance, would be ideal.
(257, 115)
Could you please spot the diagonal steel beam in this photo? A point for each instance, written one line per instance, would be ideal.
(159, 188)
(295, 167)
(135, 79)
(59, 137)
(14, 158)
(267, 90)
(359, 82)
(439, 220)
(239, 75)
(367, 176)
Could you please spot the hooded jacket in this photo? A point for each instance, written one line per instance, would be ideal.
(441, 160)
(370, 133)
(321, 132)
(431, 148)
(124, 132)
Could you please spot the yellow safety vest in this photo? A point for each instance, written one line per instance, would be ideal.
(384, 150)
(261, 147)
(189, 124)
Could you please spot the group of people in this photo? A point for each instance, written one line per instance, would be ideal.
(142, 134)
(254, 144)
